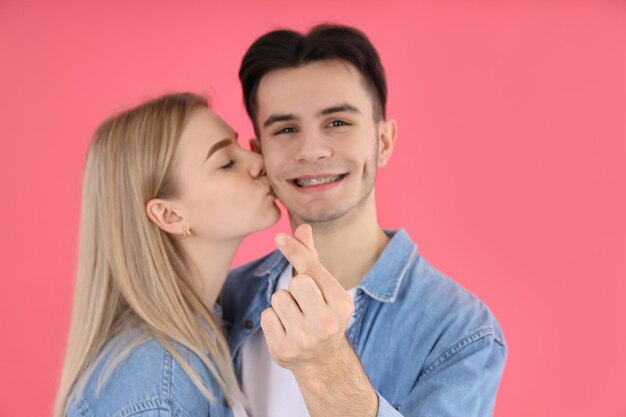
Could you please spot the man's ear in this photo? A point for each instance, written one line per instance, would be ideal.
(387, 133)
(161, 213)
(255, 145)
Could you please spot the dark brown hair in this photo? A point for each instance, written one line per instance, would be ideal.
(289, 49)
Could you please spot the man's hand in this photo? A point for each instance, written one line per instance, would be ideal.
(305, 327)
(305, 332)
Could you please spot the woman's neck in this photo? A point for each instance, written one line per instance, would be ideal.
(208, 263)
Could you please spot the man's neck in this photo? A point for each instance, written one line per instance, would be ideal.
(349, 247)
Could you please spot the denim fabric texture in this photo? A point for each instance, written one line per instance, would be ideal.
(149, 382)
(429, 347)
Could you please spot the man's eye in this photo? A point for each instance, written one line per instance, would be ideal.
(285, 131)
(228, 165)
(337, 123)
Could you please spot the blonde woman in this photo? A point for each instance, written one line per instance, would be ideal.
(168, 196)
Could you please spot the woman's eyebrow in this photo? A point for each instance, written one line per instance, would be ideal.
(217, 146)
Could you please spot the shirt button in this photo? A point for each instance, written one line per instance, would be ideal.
(248, 324)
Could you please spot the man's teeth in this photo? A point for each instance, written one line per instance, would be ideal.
(316, 181)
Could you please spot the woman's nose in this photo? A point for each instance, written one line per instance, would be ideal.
(256, 165)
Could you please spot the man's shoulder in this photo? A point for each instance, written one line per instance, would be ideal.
(432, 323)
(416, 290)
(448, 305)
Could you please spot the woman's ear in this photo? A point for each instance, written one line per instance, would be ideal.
(161, 213)
(387, 133)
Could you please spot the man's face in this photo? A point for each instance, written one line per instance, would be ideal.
(319, 139)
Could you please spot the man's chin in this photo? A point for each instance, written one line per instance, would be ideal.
(319, 216)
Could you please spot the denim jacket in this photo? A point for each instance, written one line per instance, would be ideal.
(429, 347)
(148, 382)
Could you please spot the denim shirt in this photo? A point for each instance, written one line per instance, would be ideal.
(148, 382)
(428, 346)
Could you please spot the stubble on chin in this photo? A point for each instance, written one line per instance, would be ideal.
(332, 216)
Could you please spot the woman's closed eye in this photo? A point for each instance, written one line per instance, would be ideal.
(230, 164)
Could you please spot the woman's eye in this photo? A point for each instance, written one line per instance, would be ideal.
(285, 130)
(228, 165)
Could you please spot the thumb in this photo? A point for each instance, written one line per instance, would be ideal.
(304, 233)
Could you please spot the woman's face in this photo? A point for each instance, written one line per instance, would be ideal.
(223, 190)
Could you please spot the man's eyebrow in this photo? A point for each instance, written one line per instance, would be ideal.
(343, 107)
(219, 145)
(339, 108)
(275, 118)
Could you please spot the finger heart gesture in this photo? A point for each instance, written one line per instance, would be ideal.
(306, 324)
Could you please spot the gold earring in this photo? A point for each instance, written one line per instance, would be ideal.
(186, 231)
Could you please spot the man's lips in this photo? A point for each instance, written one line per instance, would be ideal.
(306, 181)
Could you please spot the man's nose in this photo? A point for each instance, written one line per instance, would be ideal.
(312, 146)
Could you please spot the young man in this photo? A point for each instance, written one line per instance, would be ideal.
(413, 343)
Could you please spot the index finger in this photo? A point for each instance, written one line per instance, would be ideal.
(306, 262)
(297, 252)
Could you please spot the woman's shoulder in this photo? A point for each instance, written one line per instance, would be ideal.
(139, 376)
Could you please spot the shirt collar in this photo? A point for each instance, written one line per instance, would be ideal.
(271, 268)
(381, 283)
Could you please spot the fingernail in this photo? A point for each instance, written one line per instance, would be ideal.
(281, 239)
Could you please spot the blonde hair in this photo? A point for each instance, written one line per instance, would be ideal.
(130, 273)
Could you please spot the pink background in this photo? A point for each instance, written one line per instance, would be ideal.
(509, 170)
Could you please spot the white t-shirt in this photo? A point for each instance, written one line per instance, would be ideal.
(239, 411)
(272, 391)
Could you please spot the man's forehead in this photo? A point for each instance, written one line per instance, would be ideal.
(311, 74)
(311, 88)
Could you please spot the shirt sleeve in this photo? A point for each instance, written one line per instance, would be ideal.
(462, 381)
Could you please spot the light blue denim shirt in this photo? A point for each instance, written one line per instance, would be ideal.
(429, 347)
(149, 382)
